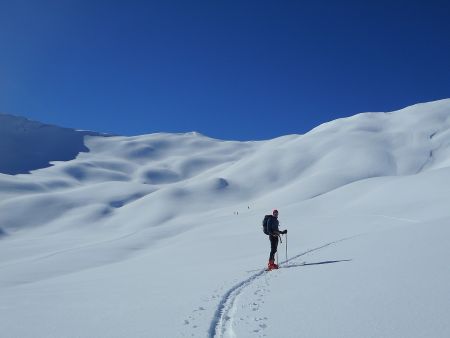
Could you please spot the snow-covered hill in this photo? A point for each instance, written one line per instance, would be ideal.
(159, 235)
(27, 145)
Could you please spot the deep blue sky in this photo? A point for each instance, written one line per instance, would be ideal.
(241, 70)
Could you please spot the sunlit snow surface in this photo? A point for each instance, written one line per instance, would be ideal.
(159, 235)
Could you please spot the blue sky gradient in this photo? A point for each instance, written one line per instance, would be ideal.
(238, 70)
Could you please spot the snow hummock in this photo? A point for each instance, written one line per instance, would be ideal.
(159, 235)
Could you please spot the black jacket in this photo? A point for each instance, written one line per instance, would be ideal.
(272, 226)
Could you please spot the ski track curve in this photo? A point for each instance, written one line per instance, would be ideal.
(222, 321)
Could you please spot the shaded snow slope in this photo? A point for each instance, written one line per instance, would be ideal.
(159, 235)
(27, 145)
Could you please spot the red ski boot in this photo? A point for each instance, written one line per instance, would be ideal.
(271, 265)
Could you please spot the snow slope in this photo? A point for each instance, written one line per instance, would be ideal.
(159, 235)
(27, 145)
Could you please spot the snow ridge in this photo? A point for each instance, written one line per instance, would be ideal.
(27, 145)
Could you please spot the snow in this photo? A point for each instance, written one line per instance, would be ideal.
(27, 145)
(159, 235)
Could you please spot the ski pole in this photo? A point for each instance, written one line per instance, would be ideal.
(286, 249)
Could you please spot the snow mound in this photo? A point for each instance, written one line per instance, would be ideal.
(192, 173)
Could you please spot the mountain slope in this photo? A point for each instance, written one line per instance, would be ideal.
(159, 234)
(27, 145)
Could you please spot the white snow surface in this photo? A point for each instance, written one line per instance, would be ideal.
(160, 235)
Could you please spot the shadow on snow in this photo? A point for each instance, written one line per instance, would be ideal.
(316, 263)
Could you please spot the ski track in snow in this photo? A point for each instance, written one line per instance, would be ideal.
(222, 322)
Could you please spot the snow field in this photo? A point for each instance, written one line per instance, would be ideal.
(159, 235)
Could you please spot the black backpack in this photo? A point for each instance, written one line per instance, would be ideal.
(265, 224)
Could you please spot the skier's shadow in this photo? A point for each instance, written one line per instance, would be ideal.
(316, 263)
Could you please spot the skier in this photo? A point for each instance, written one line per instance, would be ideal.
(274, 233)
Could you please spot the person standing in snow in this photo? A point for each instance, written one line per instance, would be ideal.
(274, 233)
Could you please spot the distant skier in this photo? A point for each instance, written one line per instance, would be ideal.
(274, 233)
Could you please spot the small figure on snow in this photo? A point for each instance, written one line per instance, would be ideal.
(274, 234)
